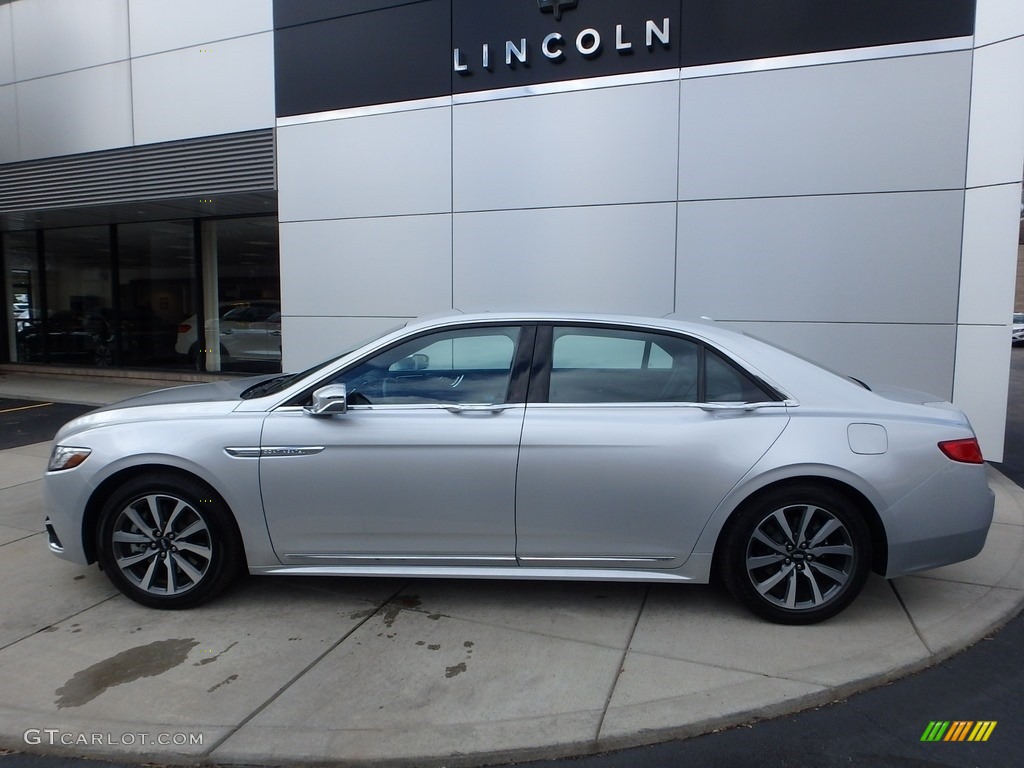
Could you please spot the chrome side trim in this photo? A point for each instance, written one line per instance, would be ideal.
(404, 558)
(481, 572)
(600, 560)
(269, 452)
(290, 450)
(243, 452)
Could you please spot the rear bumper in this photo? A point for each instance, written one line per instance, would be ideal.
(945, 520)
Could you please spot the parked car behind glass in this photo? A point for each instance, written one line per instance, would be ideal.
(249, 330)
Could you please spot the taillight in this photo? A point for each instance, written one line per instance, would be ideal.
(966, 451)
(184, 328)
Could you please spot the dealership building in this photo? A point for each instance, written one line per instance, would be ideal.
(242, 185)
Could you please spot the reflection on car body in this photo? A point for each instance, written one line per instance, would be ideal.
(527, 446)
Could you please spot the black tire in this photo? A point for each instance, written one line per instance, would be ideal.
(168, 541)
(796, 555)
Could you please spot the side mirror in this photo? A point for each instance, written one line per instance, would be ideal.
(328, 401)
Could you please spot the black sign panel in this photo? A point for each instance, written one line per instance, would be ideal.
(333, 54)
(392, 52)
(716, 31)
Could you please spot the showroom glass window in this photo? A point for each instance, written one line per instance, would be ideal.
(156, 291)
(241, 297)
(23, 289)
(78, 328)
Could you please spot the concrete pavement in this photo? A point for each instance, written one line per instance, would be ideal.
(437, 672)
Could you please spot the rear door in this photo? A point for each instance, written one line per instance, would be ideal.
(622, 462)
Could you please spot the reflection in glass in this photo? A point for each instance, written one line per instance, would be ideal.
(156, 288)
(129, 295)
(22, 287)
(79, 324)
(242, 298)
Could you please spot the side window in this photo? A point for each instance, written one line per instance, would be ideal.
(470, 365)
(596, 365)
(724, 383)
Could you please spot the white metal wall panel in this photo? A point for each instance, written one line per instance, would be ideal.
(614, 145)
(915, 356)
(6, 46)
(382, 266)
(981, 352)
(989, 266)
(836, 258)
(313, 339)
(608, 258)
(222, 87)
(159, 25)
(81, 111)
(380, 165)
(997, 114)
(54, 36)
(998, 20)
(8, 125)
(872, 126)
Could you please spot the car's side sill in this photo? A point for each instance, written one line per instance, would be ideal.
(480, 572)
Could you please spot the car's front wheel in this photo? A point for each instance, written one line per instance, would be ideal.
(796, 555)
(168, 541)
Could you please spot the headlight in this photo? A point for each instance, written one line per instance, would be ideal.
(67, 457)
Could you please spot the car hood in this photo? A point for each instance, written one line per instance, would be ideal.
(216, 391)
(194, 400)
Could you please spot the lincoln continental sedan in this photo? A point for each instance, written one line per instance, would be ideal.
(527, 446)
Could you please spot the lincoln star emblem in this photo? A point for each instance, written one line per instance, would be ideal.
(556, 6)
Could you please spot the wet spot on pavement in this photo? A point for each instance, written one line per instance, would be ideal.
(125, 667)
(458, 669)
(226, 681)
(211, 659)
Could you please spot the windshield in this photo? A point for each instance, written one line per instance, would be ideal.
(280, 383)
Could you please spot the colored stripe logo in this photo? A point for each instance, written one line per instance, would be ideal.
(959, 730)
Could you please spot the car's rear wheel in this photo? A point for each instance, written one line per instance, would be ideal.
(796, 555)
(168, 541)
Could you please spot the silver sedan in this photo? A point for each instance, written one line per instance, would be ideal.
(527, 446)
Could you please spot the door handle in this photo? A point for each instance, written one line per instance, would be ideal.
(478, 408)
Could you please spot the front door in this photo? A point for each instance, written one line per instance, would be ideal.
(420, 470)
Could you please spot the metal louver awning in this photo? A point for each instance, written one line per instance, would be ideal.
(219, 165)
